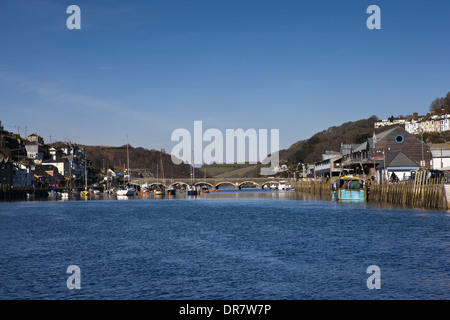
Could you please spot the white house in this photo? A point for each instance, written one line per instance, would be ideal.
(34, 151)
(445, 122)
(412, 126)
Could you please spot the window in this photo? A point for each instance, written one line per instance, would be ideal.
(399, 138)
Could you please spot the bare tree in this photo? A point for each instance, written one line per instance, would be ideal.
(447, 102)
(439, 104)
(436, 105)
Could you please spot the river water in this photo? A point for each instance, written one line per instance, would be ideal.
(223, 245)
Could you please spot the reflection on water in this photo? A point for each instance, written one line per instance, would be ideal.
(252, 193)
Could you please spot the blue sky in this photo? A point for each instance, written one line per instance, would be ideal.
(146, 68)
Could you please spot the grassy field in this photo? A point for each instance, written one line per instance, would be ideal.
(229, 170)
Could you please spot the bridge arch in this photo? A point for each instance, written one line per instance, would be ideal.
(137, 186)
(268, 183)
(249, 182)
(155, 184)
(180, 183)
(199, 183)
(213, 182)
(226, 183)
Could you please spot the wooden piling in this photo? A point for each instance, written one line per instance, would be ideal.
(421, 192)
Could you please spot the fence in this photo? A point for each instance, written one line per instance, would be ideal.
(314, 187)
(419, 193)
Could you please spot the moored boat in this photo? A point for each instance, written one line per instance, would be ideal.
(191, 190)
(126, 191)
(349, 188)
(205, 190)
(273, 186)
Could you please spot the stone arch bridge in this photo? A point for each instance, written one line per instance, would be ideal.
(214, 183)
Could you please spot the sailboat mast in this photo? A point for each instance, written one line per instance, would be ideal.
(128, 162)
(85, 174)
(193, 169)
(162, 168)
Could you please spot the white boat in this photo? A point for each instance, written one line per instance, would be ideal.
(191, 190)
(273, 186)
(126, 192)
(68, 194)
(282, 185)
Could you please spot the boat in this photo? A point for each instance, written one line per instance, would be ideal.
(205, 190)
(127, 190)
(191, 190)
(273, 186)
(349, 188)
(282, 185)
(85, 192)
(158, 191)
(145, 191)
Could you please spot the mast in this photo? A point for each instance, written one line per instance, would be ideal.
(85, 174)
(162, 168)
(107, 176)
(70, 175)
(128, 163)
(193, 169)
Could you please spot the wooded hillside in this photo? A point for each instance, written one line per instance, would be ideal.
(310, 150)
(141, 160)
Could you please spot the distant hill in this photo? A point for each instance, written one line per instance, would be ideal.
(310, 150)
(144, 161)
(230, 170)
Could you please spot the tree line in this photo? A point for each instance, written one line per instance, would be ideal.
(442, 103)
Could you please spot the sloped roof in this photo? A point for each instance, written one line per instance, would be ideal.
(361, 147)
(398, 159)
(369, 143)
(382, 135)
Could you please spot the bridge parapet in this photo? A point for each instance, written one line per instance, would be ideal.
(212, 182)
